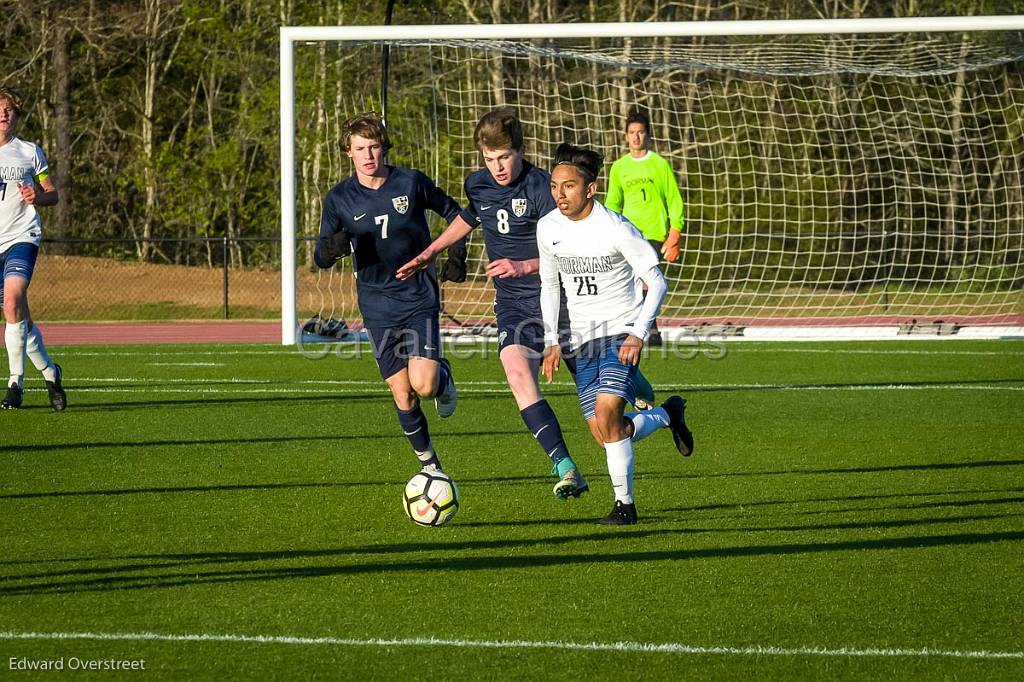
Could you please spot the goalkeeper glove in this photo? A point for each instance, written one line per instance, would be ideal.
(455, 264)
(329, 250)
(670, 248)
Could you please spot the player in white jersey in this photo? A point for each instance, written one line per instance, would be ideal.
(602, 261)
(24, 184)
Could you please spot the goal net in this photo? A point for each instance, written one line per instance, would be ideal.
(829, 179)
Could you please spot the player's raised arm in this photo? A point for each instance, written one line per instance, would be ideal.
(506, 267)
(455, 233)
(39, 192)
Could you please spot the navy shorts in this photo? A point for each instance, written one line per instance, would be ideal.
(418, 337)
(520, 324)
(598, 370)
(18, 261)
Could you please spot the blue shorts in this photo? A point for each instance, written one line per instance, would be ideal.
(520, 324)
(18, 261)
(598, 370)
(419, 337)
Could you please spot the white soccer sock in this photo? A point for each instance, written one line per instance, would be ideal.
(620, 468)
(428, 454)
(35, 349)
(14, 339)
(647, 422)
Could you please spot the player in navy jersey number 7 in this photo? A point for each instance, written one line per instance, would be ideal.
(378, 215)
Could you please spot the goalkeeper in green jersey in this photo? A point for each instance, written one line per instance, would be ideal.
(642, 187)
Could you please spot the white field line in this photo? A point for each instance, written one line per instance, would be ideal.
(269, 382)
(185, 364)
(751, 348)
(626, 647)
(358, 386)
(868, 351)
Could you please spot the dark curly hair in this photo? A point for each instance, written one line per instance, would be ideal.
(587, 161)
(11, 96)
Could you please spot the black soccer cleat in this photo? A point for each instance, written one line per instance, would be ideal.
(622, 514)
(58, 398)
(12, 400)
(675, 407)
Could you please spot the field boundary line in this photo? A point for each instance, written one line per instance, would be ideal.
(376, 388)
(627, 647)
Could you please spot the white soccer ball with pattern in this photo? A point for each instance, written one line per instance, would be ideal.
(431, 498)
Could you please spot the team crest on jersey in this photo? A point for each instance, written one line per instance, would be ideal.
(519, 207)
(401, 203)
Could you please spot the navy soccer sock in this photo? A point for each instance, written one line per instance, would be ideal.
(542, 423)
(442, 378)
(414, 425)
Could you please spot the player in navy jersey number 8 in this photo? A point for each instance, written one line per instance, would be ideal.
(506, 198)
(378, 216)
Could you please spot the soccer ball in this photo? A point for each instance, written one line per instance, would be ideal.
(431, 498)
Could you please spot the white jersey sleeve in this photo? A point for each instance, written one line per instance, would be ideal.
(20, 163)
(656, 289)
(550, 285)
(601, 260)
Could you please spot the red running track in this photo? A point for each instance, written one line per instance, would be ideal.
(66, 333)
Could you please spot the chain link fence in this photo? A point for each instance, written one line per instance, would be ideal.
(213, 278)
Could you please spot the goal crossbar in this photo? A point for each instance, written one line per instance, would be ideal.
(290, 35)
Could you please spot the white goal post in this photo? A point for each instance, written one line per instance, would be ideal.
(747, 278)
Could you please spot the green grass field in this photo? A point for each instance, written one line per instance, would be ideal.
(852, 511)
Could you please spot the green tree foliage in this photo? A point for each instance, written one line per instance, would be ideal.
(171, 109)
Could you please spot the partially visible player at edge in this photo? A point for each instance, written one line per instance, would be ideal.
(24, 184)
(379, 216)
(507, 197)
(600, 260)
(642, 187)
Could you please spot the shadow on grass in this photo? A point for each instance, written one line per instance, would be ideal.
(193, 569)
(935, 466)
(860, 525)
(855, 498)
(252, 440)
(197, 397)
(863, 385)
(255, 487)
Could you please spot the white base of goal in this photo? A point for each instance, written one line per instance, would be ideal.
(873, 333)
(902, 332)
